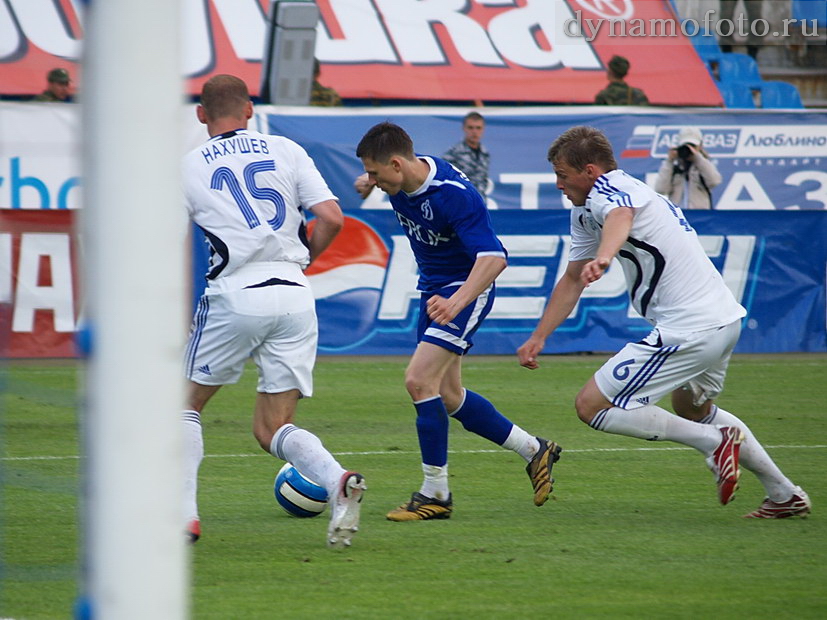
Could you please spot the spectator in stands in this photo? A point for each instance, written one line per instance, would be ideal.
(470, 156)
(688, 166)
(322, 95)
(752, 13)
(618, 92)
(59, 87)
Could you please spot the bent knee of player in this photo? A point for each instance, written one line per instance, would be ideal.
(683, 403)
(419, 387)
(589, 402)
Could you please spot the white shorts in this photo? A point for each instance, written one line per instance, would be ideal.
(275, 325)
(642, 373)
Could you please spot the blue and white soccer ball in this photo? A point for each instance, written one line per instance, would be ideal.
(299, 496)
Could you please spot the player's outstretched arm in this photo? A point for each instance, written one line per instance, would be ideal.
(329, 221)
(560, 304)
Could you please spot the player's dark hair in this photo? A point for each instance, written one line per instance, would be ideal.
(582, 145)
(473, 116)
(383, 141)
(224, 95)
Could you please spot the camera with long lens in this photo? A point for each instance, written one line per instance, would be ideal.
(684, 160)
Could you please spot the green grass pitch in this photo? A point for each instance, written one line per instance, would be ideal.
(633, 530)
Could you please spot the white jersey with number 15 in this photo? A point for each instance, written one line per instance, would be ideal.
(246, 190)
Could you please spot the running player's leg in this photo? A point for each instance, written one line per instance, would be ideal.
(423, 379)
(478, 415)
(694, 401)
(285, 361)
(779, 489)
(193, 437)
(620, 398)
(212, 337)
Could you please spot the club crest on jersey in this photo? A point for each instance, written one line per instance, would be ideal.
(427, 212)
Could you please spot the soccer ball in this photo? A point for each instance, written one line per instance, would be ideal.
(298, 495)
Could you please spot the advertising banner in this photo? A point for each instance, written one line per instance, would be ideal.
(39, 286)
(365, 284)
(553, 51)
(774, 263)
(768, 160)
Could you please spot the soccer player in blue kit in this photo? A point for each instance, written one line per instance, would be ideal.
(459, 257)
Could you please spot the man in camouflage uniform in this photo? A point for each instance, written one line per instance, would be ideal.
(618, 92)
(59, 88)
(322, 95)
(470, 156)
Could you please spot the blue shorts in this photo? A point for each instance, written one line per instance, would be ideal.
(456, 335)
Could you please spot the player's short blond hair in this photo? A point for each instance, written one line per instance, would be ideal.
(582, 145)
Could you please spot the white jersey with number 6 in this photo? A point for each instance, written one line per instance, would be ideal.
(671, 281)
(246, 190)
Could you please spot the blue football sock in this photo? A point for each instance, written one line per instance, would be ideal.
(479, 416)
(432, 429)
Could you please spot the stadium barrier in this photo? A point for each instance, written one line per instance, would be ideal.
(769, 244)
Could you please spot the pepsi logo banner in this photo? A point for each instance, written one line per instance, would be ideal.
(491, 50)
(367, 302)
(365, 284)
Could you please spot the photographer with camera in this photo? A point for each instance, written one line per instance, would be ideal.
(688, 165)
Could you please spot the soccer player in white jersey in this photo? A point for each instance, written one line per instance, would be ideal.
(248, 191)
(458, 256)
(696, 319)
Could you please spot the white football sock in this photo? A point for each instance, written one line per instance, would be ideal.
(307, 454)
(193, 454)
(521, 442)
(656, 424)
(754, 457)
(435, 483)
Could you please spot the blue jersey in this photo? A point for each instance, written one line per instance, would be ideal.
(447, 225)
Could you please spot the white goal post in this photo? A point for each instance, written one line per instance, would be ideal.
(133, 232)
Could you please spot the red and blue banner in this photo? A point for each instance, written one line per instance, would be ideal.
(365, 284)
(766, 235)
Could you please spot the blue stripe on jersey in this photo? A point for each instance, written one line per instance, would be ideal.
(646, 372)
(612, 193)
(198, 321)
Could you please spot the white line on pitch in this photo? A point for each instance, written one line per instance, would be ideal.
(393, 452)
